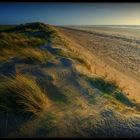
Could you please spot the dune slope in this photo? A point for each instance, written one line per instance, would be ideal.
(53, 86)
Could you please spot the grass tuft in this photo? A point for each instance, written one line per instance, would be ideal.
(102, 84)
(21, 95)
(33, 55)
(110, 88)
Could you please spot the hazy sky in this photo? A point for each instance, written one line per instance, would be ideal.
(71, 13)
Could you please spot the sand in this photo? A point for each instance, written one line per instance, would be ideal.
(114, 52)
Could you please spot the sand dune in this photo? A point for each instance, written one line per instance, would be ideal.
(60, 82)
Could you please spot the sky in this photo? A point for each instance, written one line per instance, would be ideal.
(71, 13)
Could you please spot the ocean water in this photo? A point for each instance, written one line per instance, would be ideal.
(108, 26)
(117, 26)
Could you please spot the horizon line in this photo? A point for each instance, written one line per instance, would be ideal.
(77, 24)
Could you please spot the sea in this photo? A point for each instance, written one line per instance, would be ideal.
(116, 26)
(109, 26)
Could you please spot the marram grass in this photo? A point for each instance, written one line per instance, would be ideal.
(21, 95)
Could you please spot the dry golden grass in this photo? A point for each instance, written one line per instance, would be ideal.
(5, 54)
(34, 54)
(18, 40)
(22, 94)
